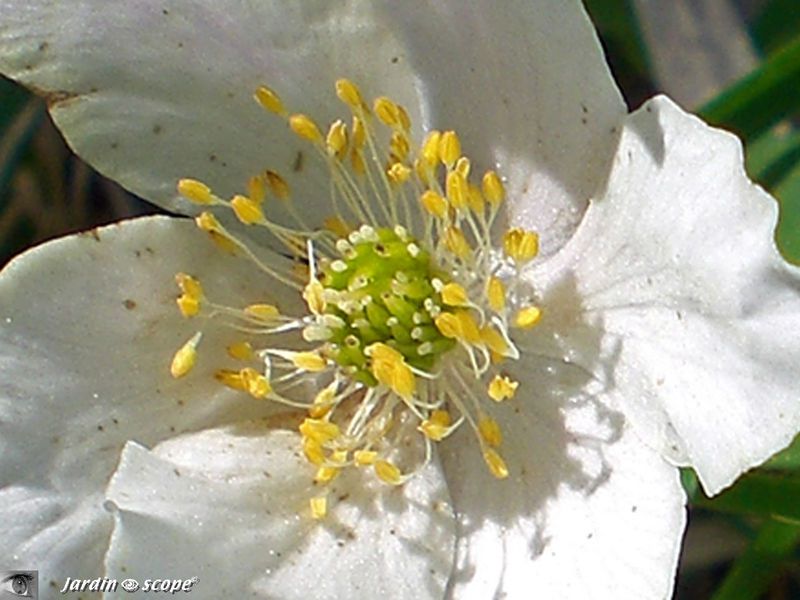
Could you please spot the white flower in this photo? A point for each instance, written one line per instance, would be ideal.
(666, 332)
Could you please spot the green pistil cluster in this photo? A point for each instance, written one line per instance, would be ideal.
(382, 290)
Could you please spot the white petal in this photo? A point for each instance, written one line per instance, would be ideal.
(694, 313)
(527, 87)
(150, 93)
(587, 511)
(230, 506)
(89, 326)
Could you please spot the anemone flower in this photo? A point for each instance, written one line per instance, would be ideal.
(401, 369)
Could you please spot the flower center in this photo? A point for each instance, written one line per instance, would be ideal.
(408, 301)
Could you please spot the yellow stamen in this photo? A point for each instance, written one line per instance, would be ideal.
(528, 317)
(312, 294)
(399, 146)
(434, 204)
(388, 472)
(521, 245)
(449, 148)
(319, 507)
(454, 294)
(305, 128)
(257, 188)
(348, 92)
(188, 305)
(309, 361)
(494, 340)
(496, 294)
(231, 379)
(241, 351)
(247, 211)
(264, 312)
(399, 173)
(359, 134)
(269, 100)
(495, 463)
(257, 385)
(430, 148)
(387, 111)
(319, 430)
(456, 243)
(186, 357)
(196, 191)
(277, 184)
(502, 388)
(493, 188)
(490, 431)
(336, 141)
(457, 190)
(436, 426)
(365, 458)
(326, 474)
(313, 451)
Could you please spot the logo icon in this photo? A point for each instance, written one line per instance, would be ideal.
(19, 584)
(130, 585)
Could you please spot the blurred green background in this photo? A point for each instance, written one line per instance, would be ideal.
(736, 62)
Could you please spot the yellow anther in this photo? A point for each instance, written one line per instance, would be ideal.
(463, 166)
(388, 473)
(305, 128)
(186, 357)
(277, 185)
(312, 294)
(502, 388)
(457, 190)
(323, 402)
(257, 188)
(449, 148)
(188, 305)
(319, 507)
(470, 332)
(357, 162)
(319, 430)
(434, 204)
(309, 361)
(522, 246)
(456, 243)
(359, 133)
(399, 146)
(224, 242)
(405, 120)
(269, 100)
(231, 379)
(398, 173)
(436, 427)
(189, 285)
(196, 191)
(475, 199)
(490, 431)
(454, 294)
(430, 148)
(336, 141)
(493, 188)
(337, 226)
(313, 451)
(348, 92)
(208, 222)
(495, 463)
(256, 384)
(247, 211)
(387, 111)
(264, 312)
(494, 341)
(241, 351)
(448, 325)
(389, 368)
(528, 317)
(326, 474)
(496, 294)
(364, 458)
(338, 458)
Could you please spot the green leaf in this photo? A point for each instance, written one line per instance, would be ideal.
(752, 573)
(777, 23)
(788, 459)
(761, 99)
(759, 493)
